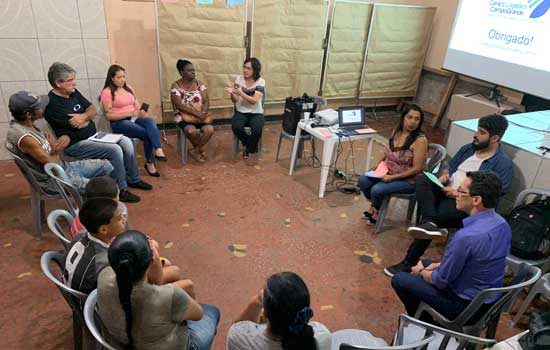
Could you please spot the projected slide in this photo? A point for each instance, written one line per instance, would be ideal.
(505, 42)
(515, 31)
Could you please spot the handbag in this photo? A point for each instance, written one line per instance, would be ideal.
(538, 337)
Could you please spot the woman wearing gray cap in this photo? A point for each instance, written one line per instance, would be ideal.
(38, 148)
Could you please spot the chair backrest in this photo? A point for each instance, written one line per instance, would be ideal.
(55, 226)
(90, 319)
(526, 276)
(439, 334)
(523, 196)
(74, 298)
(66, 189)
(27, 173)
(436, 154)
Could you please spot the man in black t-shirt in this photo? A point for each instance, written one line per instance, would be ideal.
(69, 113)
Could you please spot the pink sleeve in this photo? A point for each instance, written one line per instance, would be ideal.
(106, 95)
(76, 227)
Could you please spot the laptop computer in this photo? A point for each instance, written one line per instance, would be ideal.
(351, 118)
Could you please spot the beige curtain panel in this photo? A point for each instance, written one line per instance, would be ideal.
(287, 38)
(346, 51)
(396, 49)
(212, 37)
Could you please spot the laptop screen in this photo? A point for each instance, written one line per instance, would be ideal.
(350, 116)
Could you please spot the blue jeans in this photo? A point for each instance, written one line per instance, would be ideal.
(121, 155)
(144, 129)
(376, 190)
(81, 171)
(202, 332)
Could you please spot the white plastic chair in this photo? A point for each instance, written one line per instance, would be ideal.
(90, 319)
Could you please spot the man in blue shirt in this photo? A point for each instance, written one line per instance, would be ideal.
(436, 205)
(475, 259)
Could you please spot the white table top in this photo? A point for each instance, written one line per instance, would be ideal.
(316, 132)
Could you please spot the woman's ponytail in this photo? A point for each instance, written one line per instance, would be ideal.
(125, 287)
(129, 256)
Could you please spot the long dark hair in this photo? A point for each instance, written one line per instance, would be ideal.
(256, 67)
(416, 132)
(129, 256)
(113, 70)
(287, 307)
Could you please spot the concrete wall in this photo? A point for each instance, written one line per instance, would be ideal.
(36, 33)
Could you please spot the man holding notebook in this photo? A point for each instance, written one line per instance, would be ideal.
(436, 204)
(71, 114)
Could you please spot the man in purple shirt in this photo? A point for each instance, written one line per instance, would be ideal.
(474, 260)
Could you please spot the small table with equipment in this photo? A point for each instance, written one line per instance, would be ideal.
(330, 142)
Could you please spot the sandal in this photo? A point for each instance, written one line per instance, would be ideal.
(246, 155)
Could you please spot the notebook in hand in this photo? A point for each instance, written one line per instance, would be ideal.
(105, 137)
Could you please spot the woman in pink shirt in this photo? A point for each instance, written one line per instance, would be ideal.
(123, 110)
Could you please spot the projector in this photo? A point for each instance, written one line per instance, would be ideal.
(327, 117)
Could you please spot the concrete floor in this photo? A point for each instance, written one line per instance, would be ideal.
(229, 226)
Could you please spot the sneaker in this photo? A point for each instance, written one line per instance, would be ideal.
(427, 230)
(128, 197)
(142, 185)
(403, 266)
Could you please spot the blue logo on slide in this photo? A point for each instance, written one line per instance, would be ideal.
(541, 9)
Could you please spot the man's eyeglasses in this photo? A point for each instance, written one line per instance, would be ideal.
(465, 194)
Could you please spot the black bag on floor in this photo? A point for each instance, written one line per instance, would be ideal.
(294, 106)
(538, 337)
(530, 226)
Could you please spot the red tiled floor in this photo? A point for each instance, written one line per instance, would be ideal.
(184, 208)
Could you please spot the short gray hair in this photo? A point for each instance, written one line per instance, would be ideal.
(58, 72)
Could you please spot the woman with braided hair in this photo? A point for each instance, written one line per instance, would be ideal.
(286, 306)
(139, 315)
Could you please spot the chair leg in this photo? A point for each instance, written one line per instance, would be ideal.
(210, 149)
(36, 211)
(410, 209)
(183, 146)
(382, 215)
(279, 146)
(300, 149)
(43, 216)
(259, 154)
(538, 288)
(492, 328)
(77, 333)
(235, 147)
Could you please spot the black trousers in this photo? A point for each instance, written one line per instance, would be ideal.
(435, 207)
(256, 123)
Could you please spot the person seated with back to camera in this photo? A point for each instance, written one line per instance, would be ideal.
(474, 260)
(189, 97)
(436, 205)
(38, 148)
(248, 94)
(86, 256)
(99, 187)
(137, 314)
(404, 156)
(285, 301)
(71, 114)
(124, 112)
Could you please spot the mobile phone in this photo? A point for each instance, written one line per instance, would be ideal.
(144, 107)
